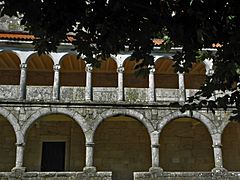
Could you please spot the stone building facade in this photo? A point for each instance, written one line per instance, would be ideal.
(63, 119)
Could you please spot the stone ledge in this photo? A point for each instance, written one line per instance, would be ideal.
(187, 176)
(55, 175)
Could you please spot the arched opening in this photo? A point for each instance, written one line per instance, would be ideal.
(186, 145)
(54, 143)
(40, 70)
(106, 74)
(131, 78)
(196, 76)
(122, 146)
(9, 68)
(72, 71)
(165, 77)
(7, 145)
(231, 146)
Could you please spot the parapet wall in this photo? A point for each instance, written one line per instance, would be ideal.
(55, 175)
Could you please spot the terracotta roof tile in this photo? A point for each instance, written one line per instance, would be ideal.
(17, 36)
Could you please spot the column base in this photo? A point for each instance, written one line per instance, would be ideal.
(90, 170)
(155, 171)
(219, 171)
(19, 169)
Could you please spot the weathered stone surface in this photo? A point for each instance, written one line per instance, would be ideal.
(186, 176)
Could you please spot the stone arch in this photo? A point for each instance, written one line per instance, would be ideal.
(43, 112)
(36, 54)
(54, 133)
(72, 70)
(40, 70)
(10, 51)
(196, 76)
(122, 145)
(131, 79)
(165, 75)
(186, 145)
(13, 121)
(132, 113)
(223, 126)
(104, 73)
(212, 129)
(9, 67)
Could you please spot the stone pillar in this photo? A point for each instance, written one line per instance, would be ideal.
(56, 83)
(23, 80)
(151, 86)
(155, 169)
(89, 168)
(120, 71)
(89, 154)
(181, 87)
(19, 157)
(217, 150)
(88, 90)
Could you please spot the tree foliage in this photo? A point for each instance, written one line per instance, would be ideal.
(104, 27)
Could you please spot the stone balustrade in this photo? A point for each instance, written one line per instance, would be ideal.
(100, 94)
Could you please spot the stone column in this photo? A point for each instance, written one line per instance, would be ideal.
(217, 150)
(120, 71)
(88, 90)
(89, 168)
(19, 157)
(155, 169)
(23, 80)
(151, 86)
(89, 154)
(56, 83)
(181, 87)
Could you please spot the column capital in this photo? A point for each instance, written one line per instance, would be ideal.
(155, 145)
(56, 67)
(217, 145)
(120, 69)
(20, 144)
(88, 68)
(90, 144)
(151, 68)
(180, 73)
(23, 65)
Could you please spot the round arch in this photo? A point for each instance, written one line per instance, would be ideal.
(35, 54)
(196, 76)
(186, 145)
(105, 73)
(212, 129)
(43, 112)
(9, 67)
(11, 52)
(57, 133)
(13, 121)
(165, 75)
(72, 70)
(122, 145)
(40, 70)
(110, 113)
(131, 79)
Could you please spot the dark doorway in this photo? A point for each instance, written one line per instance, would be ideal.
(53, 156)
